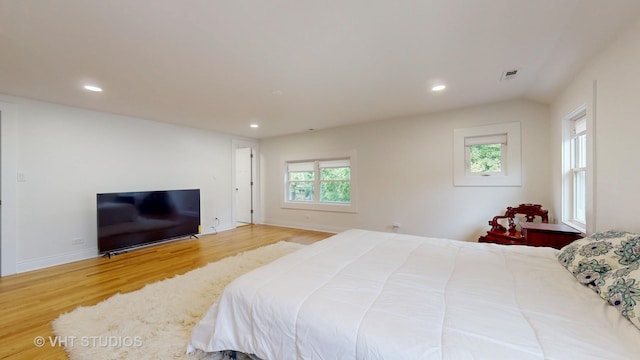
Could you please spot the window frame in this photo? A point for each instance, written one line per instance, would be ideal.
(316, 204)
(312, 182)
(511, 167)
(332, 164)
(575, 162)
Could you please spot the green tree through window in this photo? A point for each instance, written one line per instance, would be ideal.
(301, 185)
(485, 158)
(335, 185)
(319, 181)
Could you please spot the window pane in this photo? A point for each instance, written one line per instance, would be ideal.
(300, 191)
(335, 191)
(341, 173)
(581, 151)
(485, 158)
(579, 206)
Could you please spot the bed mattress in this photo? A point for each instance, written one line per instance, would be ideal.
(374, 295)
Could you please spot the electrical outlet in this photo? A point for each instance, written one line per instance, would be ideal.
(77, 241)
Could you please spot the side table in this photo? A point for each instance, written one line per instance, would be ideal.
(552, 235)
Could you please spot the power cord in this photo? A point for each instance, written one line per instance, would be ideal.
(216, 222)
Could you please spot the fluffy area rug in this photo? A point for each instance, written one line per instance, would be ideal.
(155, 322)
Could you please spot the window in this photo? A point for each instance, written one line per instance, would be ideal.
(575, 185)
(335, 181)
(320, 184)
(301, 181)
(487, 155)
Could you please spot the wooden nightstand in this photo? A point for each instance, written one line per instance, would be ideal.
(552, 235)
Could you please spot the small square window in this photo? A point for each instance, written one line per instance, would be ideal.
(487, 155)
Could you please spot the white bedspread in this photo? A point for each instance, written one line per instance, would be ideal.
(372, 295)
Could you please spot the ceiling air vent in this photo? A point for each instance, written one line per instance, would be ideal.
(509, 74)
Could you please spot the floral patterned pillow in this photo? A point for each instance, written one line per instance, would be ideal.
(591, 258)
(621, 288)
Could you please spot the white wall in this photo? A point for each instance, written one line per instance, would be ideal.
(405, 169)
(8, 188)
(68, 155)
(617, 125)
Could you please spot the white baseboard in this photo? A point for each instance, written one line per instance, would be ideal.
(216, 230)
(306, 226)
(48, 261)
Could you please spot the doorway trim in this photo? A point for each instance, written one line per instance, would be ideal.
(8, 188)
(255, 176)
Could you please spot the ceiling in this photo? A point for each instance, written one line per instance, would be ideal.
(294, 65)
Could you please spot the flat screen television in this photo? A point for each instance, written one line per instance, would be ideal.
(131, 219)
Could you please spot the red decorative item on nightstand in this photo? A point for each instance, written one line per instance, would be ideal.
(510, 235)
(530, 233)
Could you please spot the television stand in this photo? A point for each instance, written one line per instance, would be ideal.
(108, 254)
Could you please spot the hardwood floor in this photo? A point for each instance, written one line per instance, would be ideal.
(30, 301)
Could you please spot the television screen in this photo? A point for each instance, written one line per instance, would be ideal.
(131, 219)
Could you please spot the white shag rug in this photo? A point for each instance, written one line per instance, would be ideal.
(155, 322)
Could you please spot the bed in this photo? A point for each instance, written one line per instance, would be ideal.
(374, 295)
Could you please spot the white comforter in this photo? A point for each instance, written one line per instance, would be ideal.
(372, 295)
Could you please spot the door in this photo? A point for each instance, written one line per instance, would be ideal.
(244, 186)
(0, 193)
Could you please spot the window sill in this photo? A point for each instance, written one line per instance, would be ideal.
(576, 226)
(347, 208)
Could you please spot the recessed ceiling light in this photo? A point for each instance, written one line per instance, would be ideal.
(438, 88)
(254, 126)
(93, 88)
